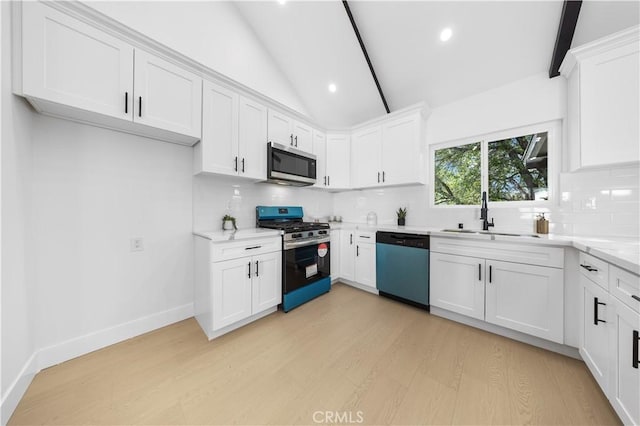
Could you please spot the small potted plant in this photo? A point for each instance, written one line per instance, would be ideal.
(229, 223)
(402, 216)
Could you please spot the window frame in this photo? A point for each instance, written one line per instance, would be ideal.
(554, 141)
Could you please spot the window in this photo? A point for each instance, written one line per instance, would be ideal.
(511, 166)
(457, 175)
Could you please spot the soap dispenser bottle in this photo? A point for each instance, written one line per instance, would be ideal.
(542, 225)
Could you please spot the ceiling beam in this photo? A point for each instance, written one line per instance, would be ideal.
(568, 21)
(366, 55)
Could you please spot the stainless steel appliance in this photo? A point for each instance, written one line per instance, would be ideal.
(306, 265)
(402, 267)
(290, 166)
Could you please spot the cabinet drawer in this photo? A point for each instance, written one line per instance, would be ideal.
(595, 269)
(625, 286)
(235, 249)
(365, 237)
(508, 252)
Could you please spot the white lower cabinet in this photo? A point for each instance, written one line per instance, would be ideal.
(335, 254)
(358, 258)
(457, 284)
(610, 333)
(595, 317)
(524, 297)
(365, 263)
(624, 363)
(236, 282)
(347, 254)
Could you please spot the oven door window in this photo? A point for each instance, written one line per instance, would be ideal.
(305, 265)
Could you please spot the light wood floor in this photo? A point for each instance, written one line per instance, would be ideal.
(348, 352)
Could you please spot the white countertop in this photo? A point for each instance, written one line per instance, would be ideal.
(240, 234)
(622, 252)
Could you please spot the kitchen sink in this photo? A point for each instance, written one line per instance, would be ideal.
(470, 231)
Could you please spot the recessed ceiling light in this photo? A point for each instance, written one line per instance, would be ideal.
(332, 88)
(282, 1)
(446, 34)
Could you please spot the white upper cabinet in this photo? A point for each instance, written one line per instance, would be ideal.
(403, 153)
(252, 137)
(166, 96)
(71, 63)
(366, 150)
(218, 150)
(68, 68)
(289, 132)
(603, 101)
(320, 151)
(338, 161)
(280, 128)
(234, 134)
(302, 136)
(390, 153)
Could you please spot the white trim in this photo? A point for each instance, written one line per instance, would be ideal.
(554, 140)
(505, 332)
(72, 348)
(18, 388)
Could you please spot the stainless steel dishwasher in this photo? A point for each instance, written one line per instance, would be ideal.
(402, 267)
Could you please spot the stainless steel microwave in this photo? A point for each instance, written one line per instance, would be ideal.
(290, 166)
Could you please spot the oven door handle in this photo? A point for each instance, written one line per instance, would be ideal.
(304, 243)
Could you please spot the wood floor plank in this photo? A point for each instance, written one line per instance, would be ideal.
(344, 353)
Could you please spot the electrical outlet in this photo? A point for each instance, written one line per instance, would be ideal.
(137, 244)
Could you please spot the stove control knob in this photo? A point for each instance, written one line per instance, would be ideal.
(310, 234)
(322, 232)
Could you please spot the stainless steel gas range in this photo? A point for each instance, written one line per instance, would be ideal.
(306, 266)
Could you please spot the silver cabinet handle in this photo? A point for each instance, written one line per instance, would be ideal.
(249, 274)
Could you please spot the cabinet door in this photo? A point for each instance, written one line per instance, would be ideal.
(231, 291)
(402, 153)
(252, 153)
(625, 389)
(280, 128)
(320, 151)
(595, 324)
(457, 284)
(526, 298)
(365, 270)
(219, 144)
(347, 254)
(71, 63)
(338, 161)
(366, 168)
(267, 281)
(335, 254)
(302, 137)
(609, 107)
(167, 96)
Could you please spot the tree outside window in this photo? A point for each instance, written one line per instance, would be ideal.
(516, 170)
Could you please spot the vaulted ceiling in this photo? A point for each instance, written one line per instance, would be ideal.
(493, 43)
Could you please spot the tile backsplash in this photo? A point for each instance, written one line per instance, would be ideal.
(215, 196)
(603, 202)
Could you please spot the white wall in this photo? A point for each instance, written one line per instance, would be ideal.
(529, 101)
(94, 189)
(214, 196)
(212, 33)
(17, 308)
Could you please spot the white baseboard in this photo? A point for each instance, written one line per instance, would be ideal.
(358, 286)
(72, 348)
(17, 389)
(511, 334)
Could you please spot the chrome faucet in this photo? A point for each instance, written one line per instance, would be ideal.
(484, 213)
